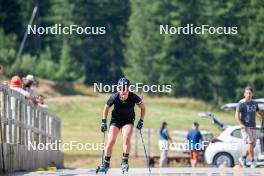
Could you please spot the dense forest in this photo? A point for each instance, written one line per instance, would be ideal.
(209, 67)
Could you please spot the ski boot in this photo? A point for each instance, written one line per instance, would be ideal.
(102, 168)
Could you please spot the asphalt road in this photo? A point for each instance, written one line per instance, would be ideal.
(154, 171)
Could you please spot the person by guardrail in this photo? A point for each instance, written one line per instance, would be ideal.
(40, 102)
(28, 83)
(16, 84)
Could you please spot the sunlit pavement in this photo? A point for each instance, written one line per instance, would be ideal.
(156, 171)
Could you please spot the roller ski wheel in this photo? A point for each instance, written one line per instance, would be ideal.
(102, 169)
(124, 167)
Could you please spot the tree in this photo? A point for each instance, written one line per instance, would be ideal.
(45, 66)
(252, 54)
(181, 60)
(102, 55)
(7, 49)
(69, 70)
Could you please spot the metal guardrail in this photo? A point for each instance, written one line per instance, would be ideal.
(151, 137)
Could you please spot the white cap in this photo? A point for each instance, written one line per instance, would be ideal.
(30, 78)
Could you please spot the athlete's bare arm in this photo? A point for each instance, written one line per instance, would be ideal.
(105, 112)
(237, 116)
(143, 110)
(260, 114)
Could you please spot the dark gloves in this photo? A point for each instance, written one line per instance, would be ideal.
(104, 125)
(140, 124)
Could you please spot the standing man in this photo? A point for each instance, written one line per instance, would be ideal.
(194, 137)
(246, 116)
(123, 116)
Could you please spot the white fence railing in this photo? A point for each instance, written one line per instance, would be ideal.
(23, 124)
(177, 152)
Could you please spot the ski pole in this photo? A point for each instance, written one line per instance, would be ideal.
(104, 147)
(147, 158)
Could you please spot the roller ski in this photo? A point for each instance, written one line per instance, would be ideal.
(124, 166)
(102, 169)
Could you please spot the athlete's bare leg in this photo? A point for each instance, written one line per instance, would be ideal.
(127, 131)
(112, 135)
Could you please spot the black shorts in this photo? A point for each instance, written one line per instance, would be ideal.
(120, 123)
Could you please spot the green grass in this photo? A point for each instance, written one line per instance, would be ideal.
(81, 119)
